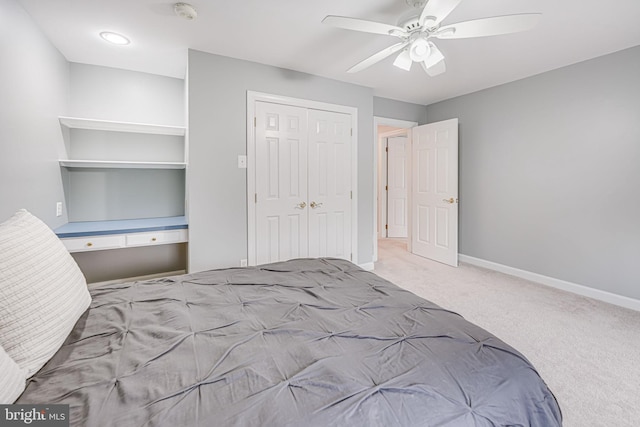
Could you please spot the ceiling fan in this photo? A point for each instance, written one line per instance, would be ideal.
(417, 31)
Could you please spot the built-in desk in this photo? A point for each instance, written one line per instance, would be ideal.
(102, 235)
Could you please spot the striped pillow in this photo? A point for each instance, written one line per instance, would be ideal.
(42, 291)
(11, 380)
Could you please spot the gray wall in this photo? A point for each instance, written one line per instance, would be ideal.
(34, 86)
(550, 172)
(217, 89)
(392, 109)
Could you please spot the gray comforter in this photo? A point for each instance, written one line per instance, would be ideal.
(299, 343)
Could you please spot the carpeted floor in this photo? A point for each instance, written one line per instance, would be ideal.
(587, 351)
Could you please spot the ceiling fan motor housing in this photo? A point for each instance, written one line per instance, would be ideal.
(410, 21)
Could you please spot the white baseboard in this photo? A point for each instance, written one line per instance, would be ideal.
(367, 266)
(586, 291)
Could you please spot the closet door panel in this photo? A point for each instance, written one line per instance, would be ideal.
(329, 184)
(281, 182)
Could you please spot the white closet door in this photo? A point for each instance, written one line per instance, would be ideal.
(329, 184)
(397, 194)
(281, 182)
(434, 191)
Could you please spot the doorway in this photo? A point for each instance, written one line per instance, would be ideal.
(385, 128)
(432, 178)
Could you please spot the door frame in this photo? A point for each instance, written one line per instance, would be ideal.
(252, 98)
(378, 156)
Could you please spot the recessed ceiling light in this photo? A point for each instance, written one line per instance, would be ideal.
(114, 38)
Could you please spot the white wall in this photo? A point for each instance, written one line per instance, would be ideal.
(34, 86)
(550, 173)
(129, 96)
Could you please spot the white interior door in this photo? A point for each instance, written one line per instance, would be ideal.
(434, 191)
(397, 188)
(329, 184)
(281, 182)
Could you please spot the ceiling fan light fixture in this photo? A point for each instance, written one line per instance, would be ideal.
(434, 57)
(403, 60)
(419, 50)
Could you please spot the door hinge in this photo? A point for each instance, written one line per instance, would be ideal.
(386, 149)
(255, 197)
(350, 257)
(386, 226)
(255, 122)
(351, 131)
(386, 188)
(351, 195)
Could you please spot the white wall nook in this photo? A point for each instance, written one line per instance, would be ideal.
(124, 184)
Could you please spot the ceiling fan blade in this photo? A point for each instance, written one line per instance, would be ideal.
(489, 26)
(377, 57)
(434, 69)
(362, 25)
(438, 10)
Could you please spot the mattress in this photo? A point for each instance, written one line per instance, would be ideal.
(308, 342)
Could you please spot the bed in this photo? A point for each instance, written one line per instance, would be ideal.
(307, 342)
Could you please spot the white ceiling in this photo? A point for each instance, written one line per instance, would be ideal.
(289, 34)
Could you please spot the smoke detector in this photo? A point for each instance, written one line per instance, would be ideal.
(418, 4)
(185, 10)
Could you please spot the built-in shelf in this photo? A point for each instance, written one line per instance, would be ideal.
(134, 169)
(107, 125)
(102, 228)
(116, 164)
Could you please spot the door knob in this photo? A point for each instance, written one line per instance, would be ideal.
(315, 205)
(450, 200)
(301, 205)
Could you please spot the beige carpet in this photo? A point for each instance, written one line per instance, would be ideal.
(587, 351)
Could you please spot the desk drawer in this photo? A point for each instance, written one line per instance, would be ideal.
(156, 238)
(93, 243)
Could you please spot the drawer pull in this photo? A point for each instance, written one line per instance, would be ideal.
(89, 244)
(153, 239)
